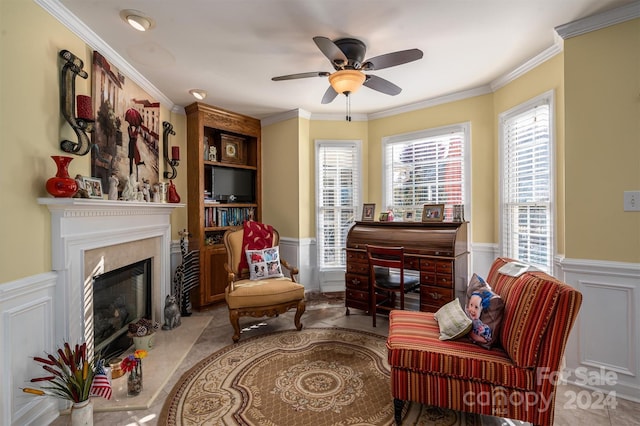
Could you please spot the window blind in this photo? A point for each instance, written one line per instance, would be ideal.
(338, 180)
(425, 170)
(526, 186)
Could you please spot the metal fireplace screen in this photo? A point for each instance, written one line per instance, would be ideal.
(120, 297)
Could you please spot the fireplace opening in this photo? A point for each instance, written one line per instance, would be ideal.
(120, 297)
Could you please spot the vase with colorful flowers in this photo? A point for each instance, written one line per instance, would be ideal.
(75, 376)
(132, 365)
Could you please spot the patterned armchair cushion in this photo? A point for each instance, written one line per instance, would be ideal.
(264, 264)
(257, 236)
(485, 308)
(532, 300)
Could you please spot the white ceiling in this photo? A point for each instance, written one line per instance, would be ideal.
(232, 48)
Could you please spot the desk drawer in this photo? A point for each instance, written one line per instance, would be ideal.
(435, 296)
(428, 265)
(357, 256)
(444, 267)
(358, 282)
(358, 268)
(412, 263)
(444, 280)
(358, 297)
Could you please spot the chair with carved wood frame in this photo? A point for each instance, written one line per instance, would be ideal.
(258, 298)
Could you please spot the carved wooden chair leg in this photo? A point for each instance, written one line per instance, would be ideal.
(299, 311)
(234, 318)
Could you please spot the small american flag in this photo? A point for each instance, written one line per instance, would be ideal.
(101, 385)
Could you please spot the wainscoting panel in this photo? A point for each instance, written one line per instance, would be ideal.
(302, 254)
(27, 328)
(482, 257)
(605, 342)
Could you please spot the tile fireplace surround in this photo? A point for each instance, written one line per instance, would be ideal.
(89, 237)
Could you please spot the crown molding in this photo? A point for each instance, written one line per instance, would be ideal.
(338, 117)
(76, 26)
(529, 65)
(284, 116)
(478, 91)
(598, 21)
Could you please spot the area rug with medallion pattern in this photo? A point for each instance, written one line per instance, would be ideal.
(318, 377)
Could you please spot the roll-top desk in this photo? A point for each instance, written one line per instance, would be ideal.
(438, 250)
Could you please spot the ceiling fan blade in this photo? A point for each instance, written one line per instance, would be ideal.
(329, 95)
(381, 85)
(331, 51)
(392, 59)
(302, 75)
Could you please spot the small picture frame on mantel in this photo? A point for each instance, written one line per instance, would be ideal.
(93, 186)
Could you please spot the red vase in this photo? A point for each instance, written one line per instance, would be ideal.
(62, 185)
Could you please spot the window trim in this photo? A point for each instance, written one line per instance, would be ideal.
(357, 143)
(546, 98)
(464, 127)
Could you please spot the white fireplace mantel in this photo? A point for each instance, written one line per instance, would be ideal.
(79, 225)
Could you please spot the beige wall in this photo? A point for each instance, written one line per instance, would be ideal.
(602, 90)
(548, 76)
(280, 183)
(31, 128)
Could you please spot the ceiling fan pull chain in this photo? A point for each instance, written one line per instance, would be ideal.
(346, 94)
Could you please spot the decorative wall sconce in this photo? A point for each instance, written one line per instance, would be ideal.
(175, 150)
(82, 123)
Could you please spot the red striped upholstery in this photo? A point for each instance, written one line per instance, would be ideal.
(539, 314)
(416, 333)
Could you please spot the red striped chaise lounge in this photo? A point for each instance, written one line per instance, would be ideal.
(516, 380)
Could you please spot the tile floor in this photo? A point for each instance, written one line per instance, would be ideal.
(329, 311)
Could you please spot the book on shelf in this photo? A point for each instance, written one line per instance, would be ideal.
(227, 216)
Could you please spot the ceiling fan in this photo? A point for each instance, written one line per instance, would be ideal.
(347, 57)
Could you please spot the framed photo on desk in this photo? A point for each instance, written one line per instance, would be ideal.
(433, 213)
(368, 212)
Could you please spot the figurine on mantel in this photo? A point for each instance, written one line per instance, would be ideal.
(145, 190)
(113, 186)
(129, 192)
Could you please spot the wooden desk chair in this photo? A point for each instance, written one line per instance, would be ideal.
(384, 285)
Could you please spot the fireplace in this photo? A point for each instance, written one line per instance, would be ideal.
(90, 238)
(120, 297)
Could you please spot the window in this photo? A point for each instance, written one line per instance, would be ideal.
(338, 178)
(426, 167)
(527, 182)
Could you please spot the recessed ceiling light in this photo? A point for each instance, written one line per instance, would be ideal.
(199, 94)
(137, 19)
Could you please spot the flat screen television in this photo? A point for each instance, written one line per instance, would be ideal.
(237, 182)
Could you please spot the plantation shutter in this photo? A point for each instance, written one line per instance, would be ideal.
(425, 170)
(338, 188)
(526, 186)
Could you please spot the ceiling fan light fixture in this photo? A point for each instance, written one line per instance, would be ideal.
(199, 94)
(346, 80)
(137, 20)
